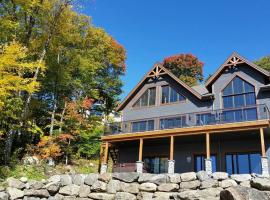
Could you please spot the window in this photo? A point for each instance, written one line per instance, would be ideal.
(205, 119)
(141, 126)
(199, 163)
(156, 165)
(243, 163)
(239, 93)
(169, 95)
(147, 99)
(174, 122)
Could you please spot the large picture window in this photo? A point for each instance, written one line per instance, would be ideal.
(141, 126)
(147, 99)
(170, 95)
(173, 122)
(156, 165)
(243, 163)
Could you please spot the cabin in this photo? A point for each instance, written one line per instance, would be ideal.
(170, 127)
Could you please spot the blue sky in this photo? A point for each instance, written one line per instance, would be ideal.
(153, 29)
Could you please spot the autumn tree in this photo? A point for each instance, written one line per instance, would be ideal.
(264, 62)
(186, 67)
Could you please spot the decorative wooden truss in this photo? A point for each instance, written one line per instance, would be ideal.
(156, 72)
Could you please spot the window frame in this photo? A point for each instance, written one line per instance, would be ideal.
(148, 90)
(183, 121)
(169, 96)
(141, 121)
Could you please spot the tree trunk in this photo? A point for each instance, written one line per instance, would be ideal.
(53, 117)
(8, 146)
(62, 117)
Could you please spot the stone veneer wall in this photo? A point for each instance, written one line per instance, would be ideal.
(131, 186)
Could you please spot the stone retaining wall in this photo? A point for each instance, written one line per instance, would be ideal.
(132, 186)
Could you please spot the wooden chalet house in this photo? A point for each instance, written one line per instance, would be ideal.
(170, 127)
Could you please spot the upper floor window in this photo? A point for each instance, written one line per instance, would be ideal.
(238, 93)
(169, 95)
(147, 99)
(141, 126)
(173, 122)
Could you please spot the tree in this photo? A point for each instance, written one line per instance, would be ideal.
(264, 62)
(186, 67)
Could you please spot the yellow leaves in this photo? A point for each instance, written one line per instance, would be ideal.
(48, 148)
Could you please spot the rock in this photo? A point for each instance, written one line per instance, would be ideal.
(127, 177)
(190, 185)
(124, 196)
(53, 187)
(144, 196)
(164, 195)
(70, 190)
(2, 189)
(113, 186)
(55, 178)
(209, 183)
(65, 180)
(243, 193)
(174, 178)
(241, 177)
(153, 178)
(30, 160)
(3, 196)
(35, 185)
(99, 186)
(58, 197)
(261, 183)
(202, 175)
(148, 187)
(42, 193)
(30, 198)
(105, 177)
(90, 179)
(102, 196)
(15, 183)
(227, 183)
(168, 187)
(189, 176)
(14, 193)
(206, 194)
(220, 175)
(84, 191)
(245, 184)
(23, 179)
(78, 179)
(129, 187)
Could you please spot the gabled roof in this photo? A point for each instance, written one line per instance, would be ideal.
(232, 61)
(156, 71)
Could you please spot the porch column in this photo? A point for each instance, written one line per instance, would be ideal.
(103, 168)
(139, 163)
(208, 163)
(264, 160)
(171, 161)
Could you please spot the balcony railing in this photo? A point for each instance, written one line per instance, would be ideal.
(220, 116)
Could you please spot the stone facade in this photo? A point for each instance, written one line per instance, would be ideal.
(141, 186)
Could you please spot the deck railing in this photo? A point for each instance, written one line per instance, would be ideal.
(211, 117)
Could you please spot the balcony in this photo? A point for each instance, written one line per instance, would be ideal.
(195, 119)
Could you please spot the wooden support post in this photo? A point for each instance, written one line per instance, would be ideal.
(208, 155)
(105, 158)
(140, 149)
(262, 142)
(172, 148)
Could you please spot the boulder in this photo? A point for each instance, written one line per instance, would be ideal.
(209, 183)
(53, 187)
(153, 178)
(168, 187)
(242, 193)
(148, 187)
(84, 191)
(14, 193)
(30, 160)
(202, 175)
(2, 189)
(35, 185)
(124, 196)
(245, 184)
(105, 177)
(65, 180)
(15, 183)
(90, 179)
(78, 179)
(3, 196)
(70, 190)
(23, 179)
(31, 198)
(127, 177)
(174, 178)
(220, 175)
(99, 186)
(227, 183)
(113, 186)
(206, 194)
(188, 176)
(102, 196)
(55, 178)
(164, 195)
(58, 197)
(129, 187)
(261, 183)
(190, 184)
(42, 193)
(144, 196)
(241, 177)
